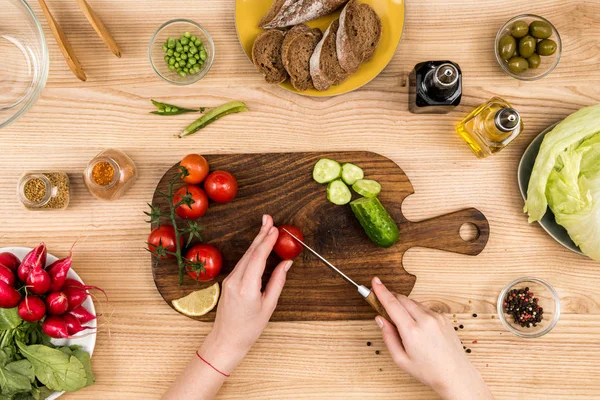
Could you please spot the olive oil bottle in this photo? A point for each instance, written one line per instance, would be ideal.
(490, 127)
(435, 87)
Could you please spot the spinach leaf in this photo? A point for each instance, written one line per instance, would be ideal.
(84, 358)
(55, 369)
(12, 382)
(22, 367)
(9, 318)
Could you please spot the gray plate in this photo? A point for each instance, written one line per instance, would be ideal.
(548, 222)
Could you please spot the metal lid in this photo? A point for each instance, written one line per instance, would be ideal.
(445, 75)
(507, 119)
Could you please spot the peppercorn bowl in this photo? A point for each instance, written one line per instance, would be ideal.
(521, 304)
(181, 52)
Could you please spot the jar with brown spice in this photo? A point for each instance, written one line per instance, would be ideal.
(110, 174)
(43, 190)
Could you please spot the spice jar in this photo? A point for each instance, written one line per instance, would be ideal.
(40, 190)
(110, 174)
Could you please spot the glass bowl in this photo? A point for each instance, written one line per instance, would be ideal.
(548, 300)
(22, 42)
(548, 63)
(174, 29)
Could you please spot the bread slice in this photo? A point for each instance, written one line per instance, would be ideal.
(325, 68)
(358, 36)
(266, 55)
(298, 46)
(284, 13)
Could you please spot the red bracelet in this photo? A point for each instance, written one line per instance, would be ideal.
(212, 366)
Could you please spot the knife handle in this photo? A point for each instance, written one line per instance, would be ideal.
(377, 306)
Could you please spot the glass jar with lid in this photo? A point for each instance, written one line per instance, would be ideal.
(44, 190)
(110, 174)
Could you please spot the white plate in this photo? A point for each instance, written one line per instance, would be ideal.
(88, 342)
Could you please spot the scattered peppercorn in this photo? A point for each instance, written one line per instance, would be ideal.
(377, 351)
(474, 315)
(455, 328)
(368, 343)
(523, 307)
(461, 326)
(493, 316)
(468, 350)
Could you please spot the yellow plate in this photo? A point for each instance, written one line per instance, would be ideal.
(391, 12)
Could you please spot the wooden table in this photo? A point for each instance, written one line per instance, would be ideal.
(144, 344)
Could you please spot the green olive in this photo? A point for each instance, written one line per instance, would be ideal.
(519, 29)
(540, 30)
(534, 61)
(527, 46)
(546, 47)
(516, 65)
(507, 46)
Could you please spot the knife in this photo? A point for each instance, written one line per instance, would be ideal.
(364, 291)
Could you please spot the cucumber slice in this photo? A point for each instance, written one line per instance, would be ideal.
(367, 187)
(326, 170)
(376, 221)
(351, 173)
(338, 193)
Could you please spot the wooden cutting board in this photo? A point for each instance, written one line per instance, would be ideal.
(281, 184)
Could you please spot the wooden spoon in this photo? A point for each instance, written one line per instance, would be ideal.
(99, 27)
(63, 44)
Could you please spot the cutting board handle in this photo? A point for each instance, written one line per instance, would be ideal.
(443, 232)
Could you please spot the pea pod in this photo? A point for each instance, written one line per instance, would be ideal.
(169, 109)
(213, 115)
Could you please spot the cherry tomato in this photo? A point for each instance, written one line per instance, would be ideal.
(209, 256)
(163, 236)
(221, 186)
(197, 208)
(197, 168)
(286, 247)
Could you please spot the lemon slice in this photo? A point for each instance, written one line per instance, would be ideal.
(199, 302)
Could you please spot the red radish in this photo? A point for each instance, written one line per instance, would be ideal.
(38, 281)
(77, 292)
(55, 327)
(58, 272)
(57, 303)
(73, 324)
(83, 315)
(36, 258)
(7, 276)
(9, 297)
(10, 261)
(32, 309)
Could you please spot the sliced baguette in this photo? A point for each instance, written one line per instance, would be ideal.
(325, 68)
(266, 55)
(358, 36)
(298, 46)
(284, 13)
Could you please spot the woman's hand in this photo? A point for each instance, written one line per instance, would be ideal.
(425, 345)
(244, 311)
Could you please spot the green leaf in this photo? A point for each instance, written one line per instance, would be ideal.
(9, 318)
(84, 358)
(22, 367)
(55, 369)
(13, 382)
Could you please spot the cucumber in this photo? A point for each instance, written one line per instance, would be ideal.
(338, 193)
(367, 187)
(326, 170)
(351, 173)
(376, 221)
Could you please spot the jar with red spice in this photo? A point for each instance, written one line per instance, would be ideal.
(110, 174)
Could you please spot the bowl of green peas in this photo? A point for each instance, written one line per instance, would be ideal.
(181, 51)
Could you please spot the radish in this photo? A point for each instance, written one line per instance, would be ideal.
(9, 297)
(58, 272)
(32, 309)
(7, 276)
(35, 258)
(38, 280)
(10, 261)
(73, 324)
(77, 292)
(55, 327)
(83, 315)
(57, 303)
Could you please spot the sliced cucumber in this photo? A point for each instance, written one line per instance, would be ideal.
(326, 170)
(351, 173)
(376, 221)
(338, 193)
(367, 187)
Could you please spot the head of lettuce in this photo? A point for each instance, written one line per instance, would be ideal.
(566, 177)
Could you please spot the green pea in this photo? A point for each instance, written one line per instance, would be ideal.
(186, 70)
(172, 61)
(192, 61)
(193, 50)
(519, 29)
(184, 40)
(540, 30)
(181, 63)
(167, 109)
(165, 48)
(171, 43)
(179, 49)
(527, 46)
(186, 48)
(177, 54)
(170, 52)
(172, 67)
(198, 42)
(534, 61)
(187, 34)
(182, 74)
(546, 47)
(193, 39)
(197, 68)
(197, 56)
(167, 58)
(184, 56)
(517, 65)
(507, 46)
(203, 55)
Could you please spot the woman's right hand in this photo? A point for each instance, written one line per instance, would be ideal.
(424, 344)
